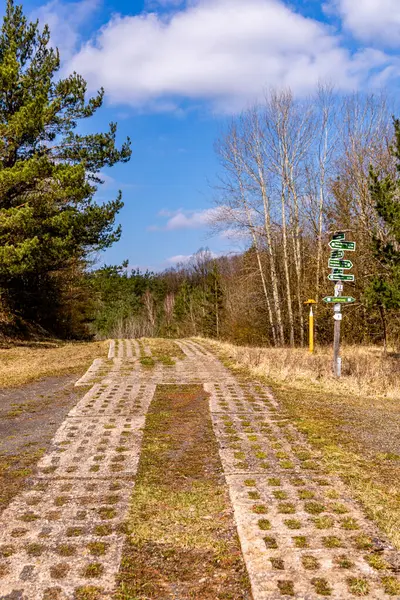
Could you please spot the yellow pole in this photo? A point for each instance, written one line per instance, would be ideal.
(311, 325)
(311, 336)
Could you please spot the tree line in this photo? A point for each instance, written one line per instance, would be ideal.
(291, 172)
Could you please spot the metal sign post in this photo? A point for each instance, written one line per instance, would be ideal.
(337, 315)
(338, 247)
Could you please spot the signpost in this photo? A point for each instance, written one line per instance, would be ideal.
(337, 253)
(339, 299)
(339, 235)
(341, 264)
(341, 245)
(340, 277)
(336, 262)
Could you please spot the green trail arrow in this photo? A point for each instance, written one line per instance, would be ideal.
(338, 245)
(338, 277)
(339, 299)
(340, 264)
(337, 254)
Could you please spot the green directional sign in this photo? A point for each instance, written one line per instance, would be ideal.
(339, 235)
(339, 264)
(339, 299)
(337, 254)
(341, 245)
(338, 271)
(339, 277)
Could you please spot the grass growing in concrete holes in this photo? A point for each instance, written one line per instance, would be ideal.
(182, 540)
(353, 423)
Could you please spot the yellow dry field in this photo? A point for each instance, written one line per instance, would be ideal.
(24, 363)
(366, 371)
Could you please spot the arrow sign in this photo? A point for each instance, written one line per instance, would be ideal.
(338, 277)
(339, 299)
(339, 235)
(340, 264)
(337, 254)
(338, 271)
(339, 245)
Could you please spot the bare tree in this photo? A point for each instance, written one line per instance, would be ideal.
(150, 306)
(236, 210)
(169, 304)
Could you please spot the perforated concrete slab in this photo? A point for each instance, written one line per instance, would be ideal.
(302, 535)
(66, 532)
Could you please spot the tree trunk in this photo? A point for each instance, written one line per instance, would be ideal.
(286, 268)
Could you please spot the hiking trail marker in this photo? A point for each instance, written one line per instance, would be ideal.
(340, 264)
(338, 246)
(342, 245)
(311, 325)
(339, 299)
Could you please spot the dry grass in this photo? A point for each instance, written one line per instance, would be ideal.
(366, 372)
(183, 539)
(161, 347)
(24, 363)
(354, 421)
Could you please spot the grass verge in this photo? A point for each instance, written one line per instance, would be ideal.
(357, 434)
(24, 363)
(182, 542)
(164, 350)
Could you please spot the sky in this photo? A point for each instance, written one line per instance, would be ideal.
(176, 71)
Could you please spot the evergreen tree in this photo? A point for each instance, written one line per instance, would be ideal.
(384, 288)
(49, 172)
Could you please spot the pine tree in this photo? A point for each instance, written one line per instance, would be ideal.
(384, 288)
(49, 172)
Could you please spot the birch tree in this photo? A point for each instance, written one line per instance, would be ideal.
(236, 210)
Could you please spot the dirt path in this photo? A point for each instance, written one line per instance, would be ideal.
(301, 534)
(29, 417)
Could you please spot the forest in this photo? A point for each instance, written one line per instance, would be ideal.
(292, 172)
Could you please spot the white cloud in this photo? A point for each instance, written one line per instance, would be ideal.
(65, 20)
(108, 181)
(164, 3)
(225, 52)
(186, 219)
(179, 259)
(372, 21)
(186, 258)
(236, 235)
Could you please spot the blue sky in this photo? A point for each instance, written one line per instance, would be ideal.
(175, 71)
